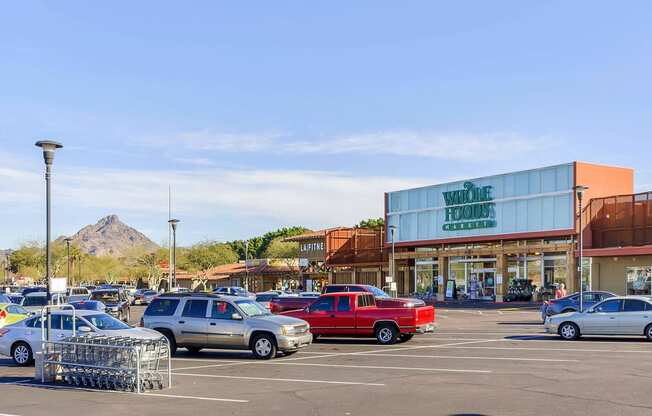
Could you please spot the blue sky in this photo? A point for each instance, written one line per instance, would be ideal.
(265, 114)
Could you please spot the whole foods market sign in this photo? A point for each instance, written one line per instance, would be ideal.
(469, 208)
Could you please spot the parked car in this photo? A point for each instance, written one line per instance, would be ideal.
(571, 303)
(621, 315)
(234, 291)
(77, 291)
(33, 289)
(116, 302)
(35, 301)
(356, 314)
(89, 305)
(200, 320)
(11, 313)
(77, 298)
(383, 300)
(16, 298)
(21, 340)
(145, 297)
(264, 298)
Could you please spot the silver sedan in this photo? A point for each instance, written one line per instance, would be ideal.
(623, 315)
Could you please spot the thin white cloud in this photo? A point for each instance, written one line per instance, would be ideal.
(444, 146)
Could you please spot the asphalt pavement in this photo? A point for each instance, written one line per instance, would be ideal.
(485, 362)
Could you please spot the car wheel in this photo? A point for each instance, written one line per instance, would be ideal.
(21, 353)
(648, 332)
(193, 350)
(406, 337)
(264, 347)
(569, 331)
(386, 334)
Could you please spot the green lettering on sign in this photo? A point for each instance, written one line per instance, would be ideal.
(469, 208)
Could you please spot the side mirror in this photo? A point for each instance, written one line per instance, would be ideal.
(236, 317)
(84, 329)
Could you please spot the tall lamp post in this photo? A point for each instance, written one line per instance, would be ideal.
(246, 265)
(49, 147)
(68, 240)
(392, 230)
(173, 223)
(579, 191)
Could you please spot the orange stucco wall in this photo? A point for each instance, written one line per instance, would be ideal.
(604, 180)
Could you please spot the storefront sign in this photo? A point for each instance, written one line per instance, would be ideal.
(469, 208)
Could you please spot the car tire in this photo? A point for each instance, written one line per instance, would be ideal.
(170, 337)
(648, 332)
(264, 346)
(569, 331)
(406, 337)
(193, 350)
(386, 334)
(22, 355)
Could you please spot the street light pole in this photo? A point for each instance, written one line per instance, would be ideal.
(68, 240)
(173, 278)
(246, 266)
(579, 191)
(392, 229)
(49, 148)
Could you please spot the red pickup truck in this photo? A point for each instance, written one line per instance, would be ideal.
(383, 300)
(355, 314)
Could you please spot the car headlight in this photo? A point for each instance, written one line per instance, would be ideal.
(288, 330)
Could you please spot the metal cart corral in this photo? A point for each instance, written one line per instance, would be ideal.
(106, 362)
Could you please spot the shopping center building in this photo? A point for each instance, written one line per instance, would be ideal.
(478, 237)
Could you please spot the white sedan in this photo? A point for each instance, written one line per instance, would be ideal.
(21, 340)
(623, 315)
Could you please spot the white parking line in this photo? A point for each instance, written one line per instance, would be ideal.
(378, 367)
(172, 396)
(455, 357)
(291, 380)
(551, 349)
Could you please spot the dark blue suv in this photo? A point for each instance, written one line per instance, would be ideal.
(571, 303)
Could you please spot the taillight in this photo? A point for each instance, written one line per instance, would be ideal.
(3, 314)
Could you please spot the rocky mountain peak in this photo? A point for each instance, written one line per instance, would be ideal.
(111, 237)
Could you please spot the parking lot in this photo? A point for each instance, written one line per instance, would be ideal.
(491, 362)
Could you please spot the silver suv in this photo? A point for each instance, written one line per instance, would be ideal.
(199, 320)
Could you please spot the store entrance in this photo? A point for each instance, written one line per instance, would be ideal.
(482, 284)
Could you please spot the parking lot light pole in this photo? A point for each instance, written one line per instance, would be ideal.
(579, 191)
(392, 230)
(49, 147)
(173, 269)
(68, 240)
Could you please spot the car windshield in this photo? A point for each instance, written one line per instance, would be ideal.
(105, 297)
(35, 301)
(377, 292)
(251, 308)
(106, 322)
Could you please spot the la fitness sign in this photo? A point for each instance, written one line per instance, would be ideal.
(469, 208)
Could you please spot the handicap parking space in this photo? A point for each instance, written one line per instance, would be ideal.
(473, 363)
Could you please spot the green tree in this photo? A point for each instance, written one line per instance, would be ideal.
(371, 223)
(279, 249)
(204, 256)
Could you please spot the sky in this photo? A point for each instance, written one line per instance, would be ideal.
(268, 114)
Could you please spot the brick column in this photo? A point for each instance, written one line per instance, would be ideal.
(442, 267)
(501, 270)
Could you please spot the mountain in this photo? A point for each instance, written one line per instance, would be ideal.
(111, 237)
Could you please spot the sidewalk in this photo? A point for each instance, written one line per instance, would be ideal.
(489, 305)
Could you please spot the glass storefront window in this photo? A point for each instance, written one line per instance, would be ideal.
(639, 280)
(457, 271)
(426, 273)
(534, 270)
(555, 272)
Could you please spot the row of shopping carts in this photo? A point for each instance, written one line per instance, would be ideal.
(110, 362)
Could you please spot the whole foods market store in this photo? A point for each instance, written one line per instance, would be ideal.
(503, 237)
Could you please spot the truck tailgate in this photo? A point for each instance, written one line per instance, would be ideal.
(425, 315)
